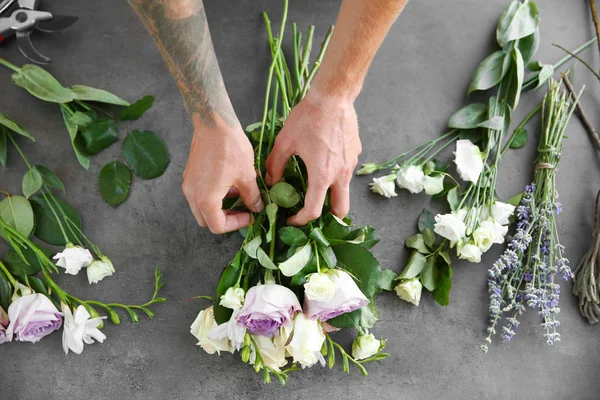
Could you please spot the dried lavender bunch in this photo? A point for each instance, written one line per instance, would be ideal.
(585, 283)
(524, 276)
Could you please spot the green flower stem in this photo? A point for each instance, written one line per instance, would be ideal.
(521, 125)
(317, 257)
(318, 62)
(281, 375)
(306, 53)
(60, 225)
(6, 272)
(9, 65)
(442, 147)
(273, 117)
(296, 66)
(347, 356)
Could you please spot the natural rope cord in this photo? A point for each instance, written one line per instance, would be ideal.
(544, 165)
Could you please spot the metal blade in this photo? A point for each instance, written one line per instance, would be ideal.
(57, 23)
(27, 49)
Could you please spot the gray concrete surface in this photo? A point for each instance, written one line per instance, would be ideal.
(417, 81)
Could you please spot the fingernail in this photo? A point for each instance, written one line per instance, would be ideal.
(268, 179)
(259, 205)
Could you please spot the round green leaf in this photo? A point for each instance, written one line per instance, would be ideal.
(15, 264)
(519, 139)
(41, 84)
(47, 228)
(284, 195)
(362, 265)
(146, 154)
(292, 236)
(98, 135)
(469, 117)
(32, 182)
(16, 211)
(114, 182)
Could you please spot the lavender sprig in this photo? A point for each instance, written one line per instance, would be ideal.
(524, 276)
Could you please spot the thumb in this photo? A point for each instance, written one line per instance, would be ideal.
(276, 162)
(250, 194)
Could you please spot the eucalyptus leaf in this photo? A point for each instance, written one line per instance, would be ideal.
(520, 139)
(146, 154)
(14, 126)
(415, 265)
(252, 247)
(41, 84)
(284, 195)
(295, 263)
(545, 73)
(516, 74)
(495, 123)
(253, 127)
(490, 71)
(137, 109)
(81, 92)
(16, 211)
(114, 182)
(469, 117)
(417, 242)
(32, 182)
(82, 156)
(529, 45)
(98, 135)
(515, 200)
(81, 119)
(49, 178)
(47, 227)
(429, 274)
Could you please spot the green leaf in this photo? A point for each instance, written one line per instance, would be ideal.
(46, 227)
(474, 135)
(444, 284)
(41, 84)
(317, 235)
(3, 147)
(415, 265)
(114, 182)
(38, 285)
(5, 292)
(86, 93)
(137, 109)
(49, 178)
(252, 127)
(335, 228)
(82, 156)
(81, 119)
(429, 274)
(252, 247)
(229, 278)
(520, 139)
(453, 200)
(369, 315)
(292, 236)
(16, 266)
(496, 123)
(16, 211)
(545, 73)
(445, 256)
(426, 220)
(429, 237)
(32, 182)
(362, 265)
(518, 21)
(490, 71)
(99, 135)
(295, 263)
(146, 154)
(417, 242)
(529, 45)
(284, 195)
(515, 200)
(271, 210)
(347, 320)
(328, 256)
(13, 126)
(386, 282)
(264, 259)
(469, 117)
(517, 72)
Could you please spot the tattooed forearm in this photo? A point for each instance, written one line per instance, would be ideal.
(181, 33)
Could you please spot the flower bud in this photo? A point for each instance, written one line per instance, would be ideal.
(410, 290)
(247, 340)
(367, 169)
(365, 346)
(245, 353)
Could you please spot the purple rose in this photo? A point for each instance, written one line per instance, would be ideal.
(3, 325)
(267, 308)
(347, 298)
(31, 318)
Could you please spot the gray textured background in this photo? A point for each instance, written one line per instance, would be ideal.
(417, 81)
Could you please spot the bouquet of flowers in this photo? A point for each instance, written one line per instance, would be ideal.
(30, 298)
(289, 288)
(524, 276)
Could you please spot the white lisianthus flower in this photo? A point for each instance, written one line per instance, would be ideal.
(451, 226)
(233, 298)
(501, 212)
(365, 346)
(232, 330)
(100, 269)
(500, 232)
(80, 328)
(201, 329)
(433, 184)
(469, 251)
(20, 291)
(469, 162)
(485, 235)
(410, 290)
(307, 340)
(272, 351)
(319, 287)
(411, 178)
(384, 186)
(73, 258)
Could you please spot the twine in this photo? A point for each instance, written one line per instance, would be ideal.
(543, 165)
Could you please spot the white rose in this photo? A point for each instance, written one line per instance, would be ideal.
(201, 329)
(384, 186)
(233, 298)
(411, 178)
(450, 226)
(365, 346)
(307, 340)
(272, 351)
(469, 162)
(410, 290)
(79, 328)
(470, 252)
(100, 269)
(73, 258)
(501, 212)
(485, 235)
(433, 184)
(319, 288)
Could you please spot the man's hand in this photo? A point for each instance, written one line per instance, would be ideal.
(323, 131)
(221, 164)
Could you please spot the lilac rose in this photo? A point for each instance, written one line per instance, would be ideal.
(31, 318)
(3, 325)
(347, 298)
(267, 308)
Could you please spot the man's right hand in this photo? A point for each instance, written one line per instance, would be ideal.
(220, 164)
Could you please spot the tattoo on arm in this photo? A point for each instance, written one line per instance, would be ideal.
(180, 30)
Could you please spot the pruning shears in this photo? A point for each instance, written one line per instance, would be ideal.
(21, 17)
